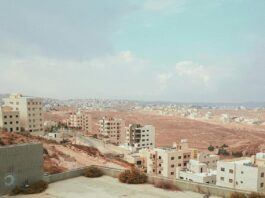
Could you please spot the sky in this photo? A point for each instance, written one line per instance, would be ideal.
(152, 50)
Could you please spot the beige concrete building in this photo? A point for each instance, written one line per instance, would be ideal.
(242, 173)
(112, 129)
(164, 161)
(9, 119)
(140, 137)
(30, 111)
(80, 120)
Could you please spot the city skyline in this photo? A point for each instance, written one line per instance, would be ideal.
(151, 50)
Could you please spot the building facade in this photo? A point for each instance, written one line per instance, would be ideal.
(112, 129)
(80, 120)
(30, 111)
(242, 174)
(165, 161)
(9, 119)
(20, 165)
(201, 170)
(140, 137)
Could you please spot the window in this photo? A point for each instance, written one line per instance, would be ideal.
(172, 158)
(179, 157)
(159, 157)
(10, 116)
(172, 173)
(223, 169)
(159, 172)
(172, 165)
(261, 185)
(262, 175)
(230, 181)
(179, 164)
(222, 178)
(5, 116)
(231, 171)
(242, 172)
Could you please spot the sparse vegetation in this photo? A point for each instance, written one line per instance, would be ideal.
(93, 172)
(238, 195)
(1, 142)
(35, 188)
(167, 185)
(211, 148)
(237, 154)
(132, 176)
(256, 195)
(222, 151)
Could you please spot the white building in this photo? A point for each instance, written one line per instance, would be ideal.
(201, 170)
(139, 136)
(9, 119)
(242, 173)
(112, 129)
(30, 111)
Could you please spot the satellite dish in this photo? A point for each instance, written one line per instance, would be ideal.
(9, 180)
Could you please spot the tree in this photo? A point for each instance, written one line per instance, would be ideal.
(211, 148)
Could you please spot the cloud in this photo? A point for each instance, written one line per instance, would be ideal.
(163, 79)
(194, 72)
(117, 75)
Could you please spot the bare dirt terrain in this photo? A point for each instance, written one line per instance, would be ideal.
(200, 133)
(62, 157)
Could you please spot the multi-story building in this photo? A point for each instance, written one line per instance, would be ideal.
(201, 170)
(164, 161)
(242, 173)
(139, 136)
(112, 129)
(9, 119)
(81, 120)
(30, 111)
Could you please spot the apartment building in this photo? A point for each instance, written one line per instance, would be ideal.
(139, 137)
(201, 170)
(112, 129)
(30, 111)
(242, 173)
(81, 120)
(9, 119)
(164, 161)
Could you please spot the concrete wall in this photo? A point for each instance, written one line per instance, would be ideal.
(20, 164)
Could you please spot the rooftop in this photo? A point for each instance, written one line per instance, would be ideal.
(106, 187)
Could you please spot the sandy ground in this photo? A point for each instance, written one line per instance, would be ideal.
(106, 187)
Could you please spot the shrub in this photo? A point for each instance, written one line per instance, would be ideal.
(256, 195)
(222, 151)
(211, 148)
(37, 187)
(167, 185)
(238, 195)
(132, 176)
(93, 172)
(237, 154)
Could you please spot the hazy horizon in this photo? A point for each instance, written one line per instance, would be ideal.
(189, 51)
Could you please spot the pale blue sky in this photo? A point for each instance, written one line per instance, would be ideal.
(174, 50)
